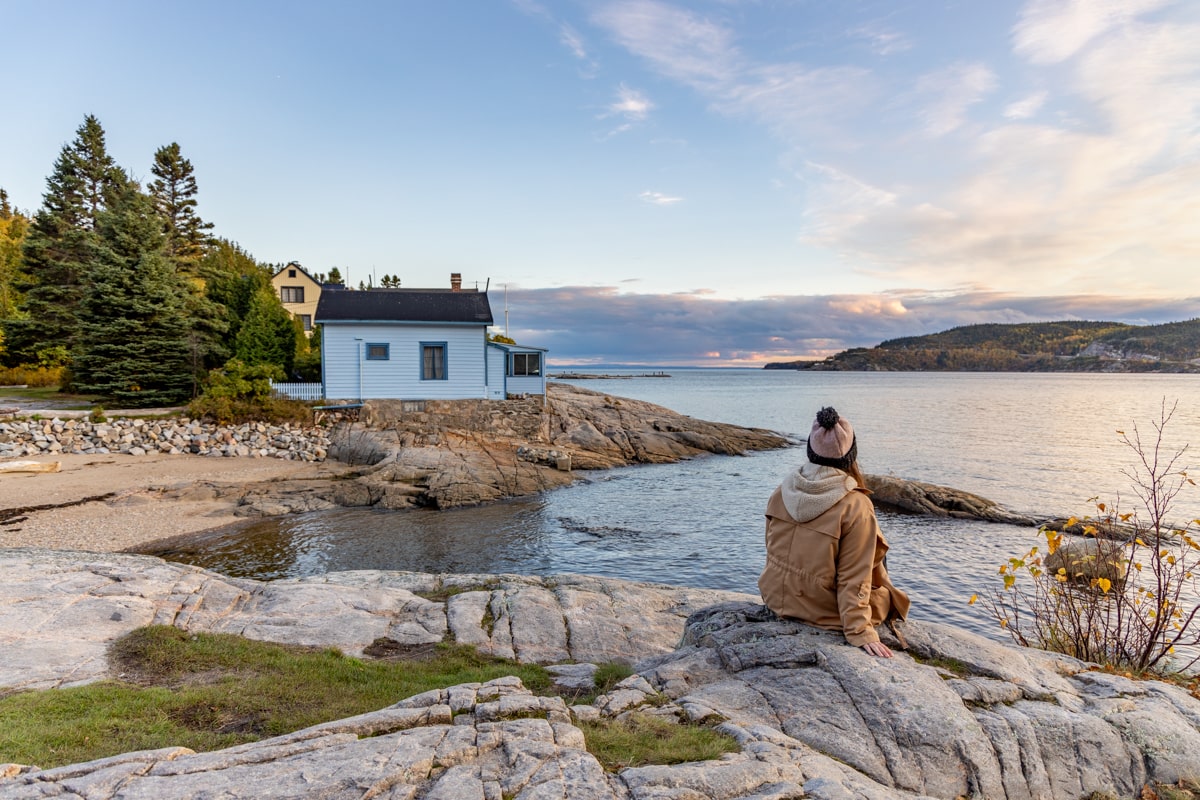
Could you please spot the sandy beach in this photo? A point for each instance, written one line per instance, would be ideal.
(135, 513)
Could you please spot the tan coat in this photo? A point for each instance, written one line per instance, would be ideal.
(829, 571)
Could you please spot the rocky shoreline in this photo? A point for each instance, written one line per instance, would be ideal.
(955, 716)
(440, 454)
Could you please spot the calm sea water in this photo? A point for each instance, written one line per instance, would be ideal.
(1042, 444)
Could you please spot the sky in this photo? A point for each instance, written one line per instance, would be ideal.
(711, 183)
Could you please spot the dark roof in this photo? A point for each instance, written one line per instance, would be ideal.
(405, 305)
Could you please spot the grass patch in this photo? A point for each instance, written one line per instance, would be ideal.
(641, 739)
(209, 691)
(607, 676)
(939, 662)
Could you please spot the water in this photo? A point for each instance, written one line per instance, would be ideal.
(1042, 444)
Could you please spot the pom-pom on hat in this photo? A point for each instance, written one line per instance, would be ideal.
(831, 441)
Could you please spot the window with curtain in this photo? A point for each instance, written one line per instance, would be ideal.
(377, 352)
(291, 294)
(433, 362)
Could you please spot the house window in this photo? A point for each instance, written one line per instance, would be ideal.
(291, 273)
(433, 361)
(525, 364)
(377, 352)
(291, 294)
(306, 321)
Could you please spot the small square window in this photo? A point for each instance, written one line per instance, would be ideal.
(377, 352)
(291, 273)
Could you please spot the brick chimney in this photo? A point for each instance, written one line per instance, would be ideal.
(456, 281)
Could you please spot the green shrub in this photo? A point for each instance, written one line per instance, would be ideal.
(32, 376)
(241, 392)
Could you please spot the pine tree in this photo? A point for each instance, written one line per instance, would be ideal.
(267, 334)
(134, 343)
(335, 275)
(57, 246)
(174, 192)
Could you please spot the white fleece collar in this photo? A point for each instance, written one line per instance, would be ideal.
(813, 489)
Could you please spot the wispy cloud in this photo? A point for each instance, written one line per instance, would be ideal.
(1026, 107)
(605, 325)
(946, 94)
(882, 40)
(659, 199)
(1050, 31)
(574, 42)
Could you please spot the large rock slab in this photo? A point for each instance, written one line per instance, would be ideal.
(954, 716)
(60, 610)
(1004, 723)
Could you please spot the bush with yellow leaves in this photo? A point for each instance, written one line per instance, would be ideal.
(1129, 602)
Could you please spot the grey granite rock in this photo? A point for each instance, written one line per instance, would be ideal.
(955, 716)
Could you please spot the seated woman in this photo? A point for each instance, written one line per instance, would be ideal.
(825, 552)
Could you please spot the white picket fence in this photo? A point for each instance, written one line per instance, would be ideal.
(298, 391)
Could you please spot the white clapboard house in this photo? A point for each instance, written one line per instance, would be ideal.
(420, 344)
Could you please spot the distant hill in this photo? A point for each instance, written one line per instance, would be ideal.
(1029, 347)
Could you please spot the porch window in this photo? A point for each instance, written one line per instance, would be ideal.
(433, 361)
(524, 364)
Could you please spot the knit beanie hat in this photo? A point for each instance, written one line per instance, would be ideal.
(831, 441)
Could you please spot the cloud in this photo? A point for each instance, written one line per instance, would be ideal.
(659, 199)
(948, 93)
(882, 41)
(680, 44)
(1100, 197)
(630, 104)
(1026, 107)
(1051, 31)
(574, 42)
(582, 325)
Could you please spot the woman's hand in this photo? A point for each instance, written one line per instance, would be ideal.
(878, 649)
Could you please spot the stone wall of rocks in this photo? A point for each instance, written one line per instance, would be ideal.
(137, 437)
(519, 418)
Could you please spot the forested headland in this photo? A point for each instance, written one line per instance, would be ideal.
(121, 290)
(1029, 347)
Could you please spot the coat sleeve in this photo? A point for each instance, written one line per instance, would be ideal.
(856, 556)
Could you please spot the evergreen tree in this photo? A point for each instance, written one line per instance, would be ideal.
(174, 193)
(335, 275)
(58, 244)
(267, 334)
(134, 343)
(231, 279)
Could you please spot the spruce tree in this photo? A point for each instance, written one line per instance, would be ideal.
(134, 343)
(59, 243)
(267, 334)
(174, 192)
